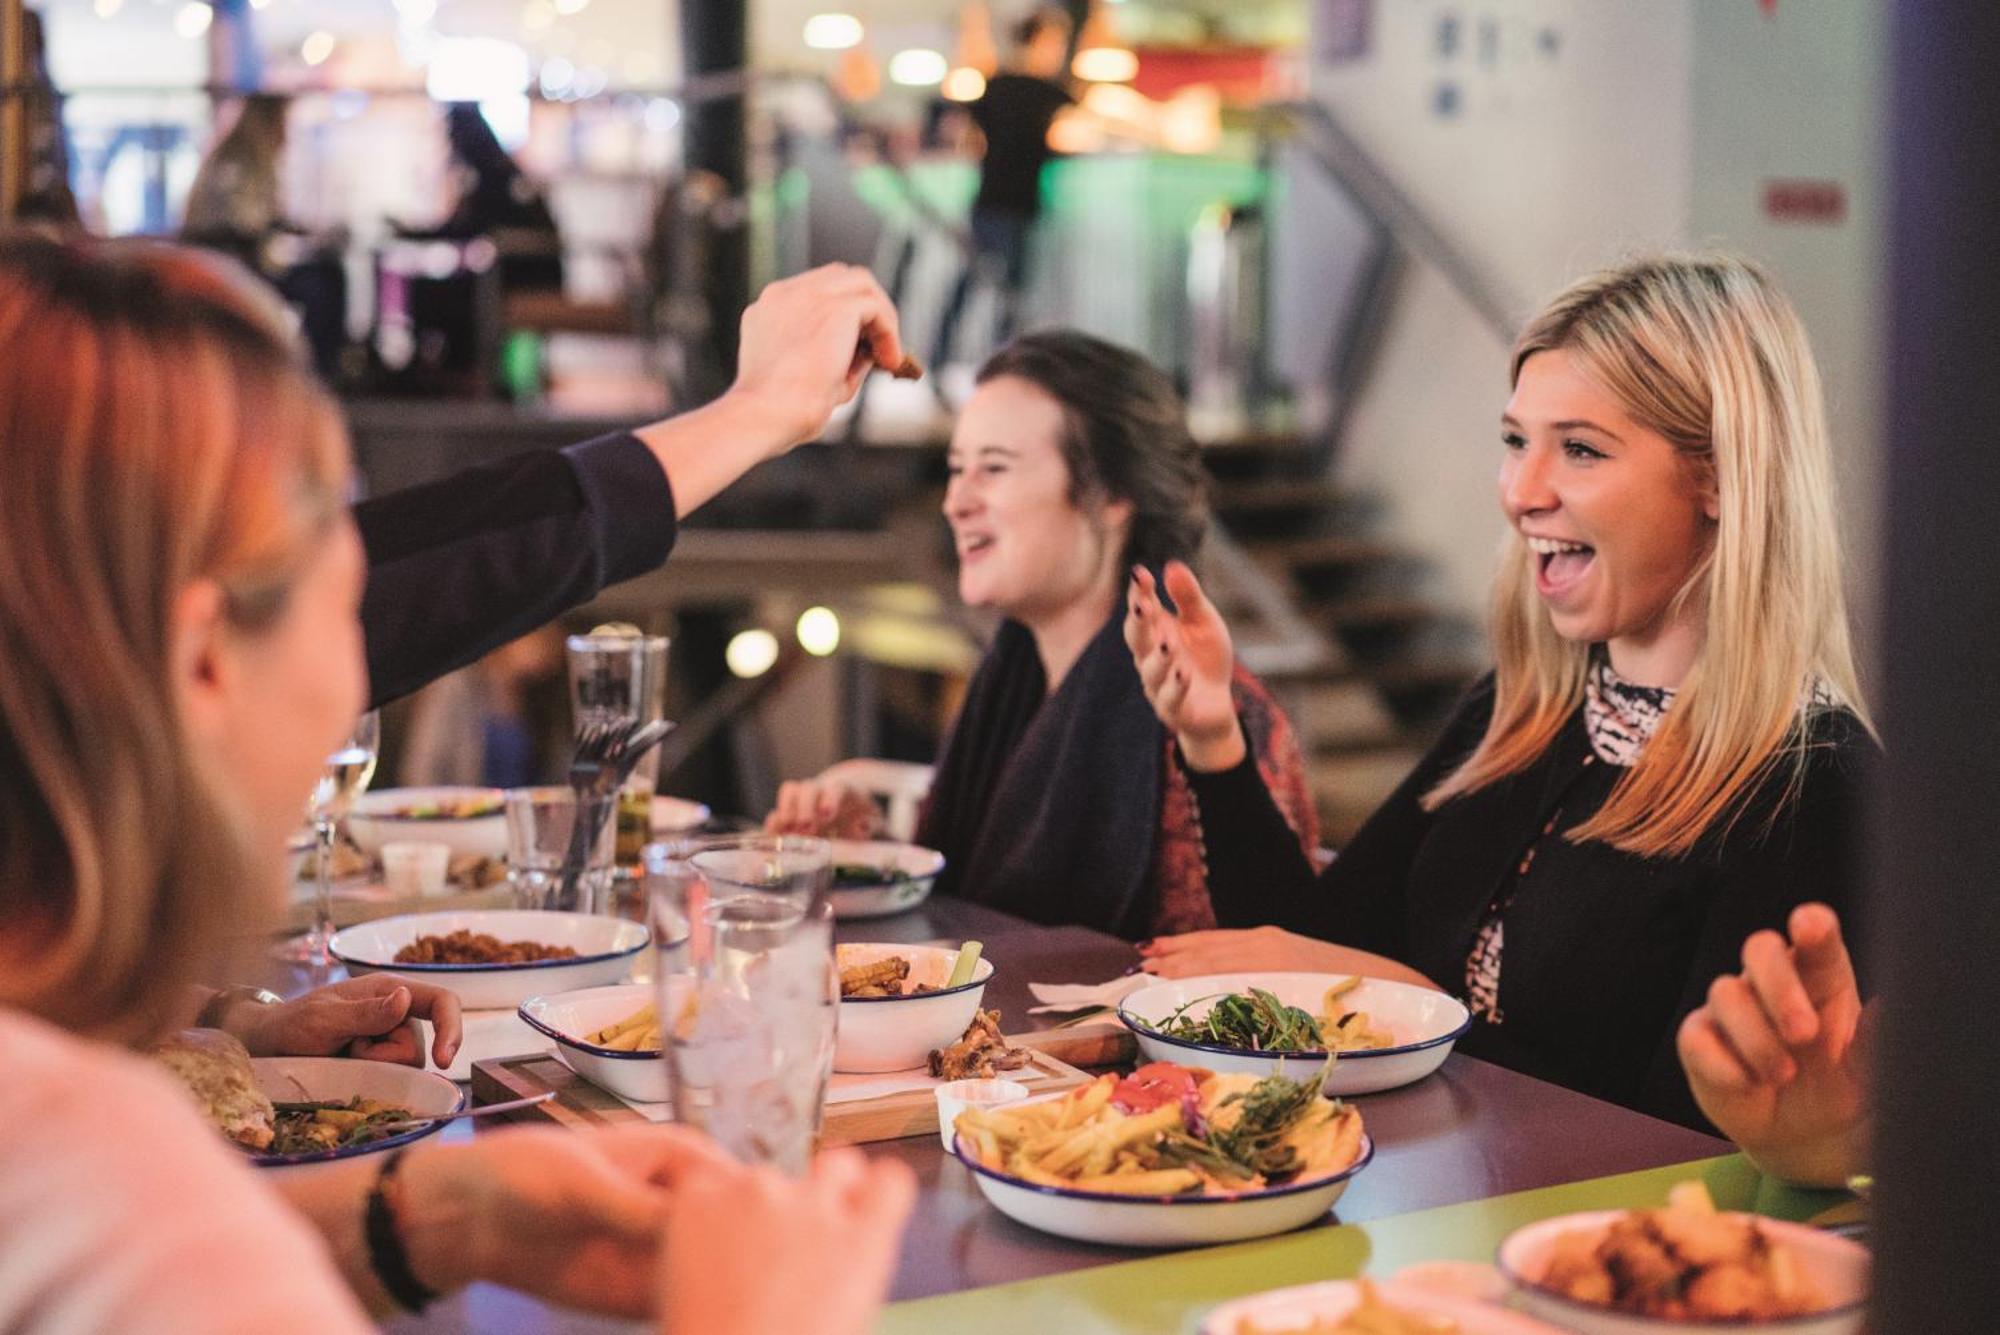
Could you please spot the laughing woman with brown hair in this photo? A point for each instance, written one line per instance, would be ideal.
(1669, 754)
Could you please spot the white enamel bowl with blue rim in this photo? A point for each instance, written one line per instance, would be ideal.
(1161, 1221)
(606, 949)
(1425, 1024)
(909, 872)
(569, 1017)
(1836, 1267)
(900, 1033)
(1317, 1306)
(382, 817)
(327, 1079)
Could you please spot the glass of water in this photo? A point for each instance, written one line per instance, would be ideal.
(539, 825)
(749, 1015)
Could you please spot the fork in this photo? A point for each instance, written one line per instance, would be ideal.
(607, 749)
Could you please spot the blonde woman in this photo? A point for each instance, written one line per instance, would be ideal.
(1668, 755)
(179, 647)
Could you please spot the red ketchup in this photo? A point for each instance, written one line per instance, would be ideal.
(1158, 1083)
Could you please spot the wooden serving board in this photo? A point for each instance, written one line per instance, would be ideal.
(578, 1103)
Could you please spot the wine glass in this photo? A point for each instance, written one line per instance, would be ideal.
(344, 778)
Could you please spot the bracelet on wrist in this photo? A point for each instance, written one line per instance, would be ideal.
(216, 1009)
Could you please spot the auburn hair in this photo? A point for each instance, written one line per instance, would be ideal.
(157, 427)
(1708, 353)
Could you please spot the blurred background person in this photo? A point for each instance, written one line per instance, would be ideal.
(1013, 116)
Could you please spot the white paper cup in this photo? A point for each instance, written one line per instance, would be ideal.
(958, 1095)
(411, 867)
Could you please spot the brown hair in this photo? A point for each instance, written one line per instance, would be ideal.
(1125, 436)
(156, 428)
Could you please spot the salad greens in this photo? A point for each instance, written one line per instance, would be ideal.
(1255, 1020)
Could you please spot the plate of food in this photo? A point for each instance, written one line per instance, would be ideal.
(897, 1004)
(1686, 1269)
(672, 816)
(294, 1110)
(1385, 1034)
(1169, 1156)
(469, 821)
(608, 1035)
(1364, 1307)
(873, 878)
(496, 959)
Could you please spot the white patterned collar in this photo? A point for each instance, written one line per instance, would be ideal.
(1620, 716)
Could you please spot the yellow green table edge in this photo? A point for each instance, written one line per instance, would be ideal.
(1169, 1293)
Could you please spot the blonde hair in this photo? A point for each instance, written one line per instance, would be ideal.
(1705, 351)
(156, 428)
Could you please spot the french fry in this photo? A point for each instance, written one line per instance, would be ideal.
(642, 1019)
(1156, 1182)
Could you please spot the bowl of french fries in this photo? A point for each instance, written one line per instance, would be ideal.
(1385, 1034)
(1169, 1156)
(896, 1005)
(1686, 1268)
(608, 1035)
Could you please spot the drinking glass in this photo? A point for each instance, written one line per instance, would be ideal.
(344, 778)
(751, 1002)
(539, 825)
(617, 674)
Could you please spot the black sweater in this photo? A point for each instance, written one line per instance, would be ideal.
(1606, 952)
(460, 566)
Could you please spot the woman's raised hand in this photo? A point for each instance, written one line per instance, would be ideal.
(1775, 1058)
(750, 1252)
(1185, 662)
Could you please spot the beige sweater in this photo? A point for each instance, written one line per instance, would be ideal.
(122, 1212)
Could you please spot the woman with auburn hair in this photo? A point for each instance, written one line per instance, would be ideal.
(179, 647)
(1056, 796)
(1668, 756)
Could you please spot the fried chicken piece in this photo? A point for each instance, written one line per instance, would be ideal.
(978, 1053)
(881, 979)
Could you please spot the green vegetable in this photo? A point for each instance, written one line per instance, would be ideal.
(1255, 1020)
(968, 960)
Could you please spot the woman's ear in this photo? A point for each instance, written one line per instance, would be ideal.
(198, 658)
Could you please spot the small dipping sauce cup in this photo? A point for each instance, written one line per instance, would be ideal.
(955, 1097)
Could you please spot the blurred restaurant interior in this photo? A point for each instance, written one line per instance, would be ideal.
(510, 225)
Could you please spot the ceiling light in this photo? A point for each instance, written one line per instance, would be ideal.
(570, 6)
(833, 32)
(751, 653)
(964, 84)
(316, 48)
(819, 631)
(918, 67)
(106, 8)
(1105, 64)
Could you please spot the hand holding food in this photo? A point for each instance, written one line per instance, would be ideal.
(1170, 1130)
(1776, 1058)
(372, 1017)
(806, 343)
(1185, 663)
(833, 1237)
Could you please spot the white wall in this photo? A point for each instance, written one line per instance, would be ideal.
(1799, 94)
(1650, 123)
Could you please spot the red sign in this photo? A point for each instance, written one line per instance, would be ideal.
(1823, 202)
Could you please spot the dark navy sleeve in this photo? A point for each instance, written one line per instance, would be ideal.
(460, 566)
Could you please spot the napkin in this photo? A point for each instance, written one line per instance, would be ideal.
(1058, 997)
